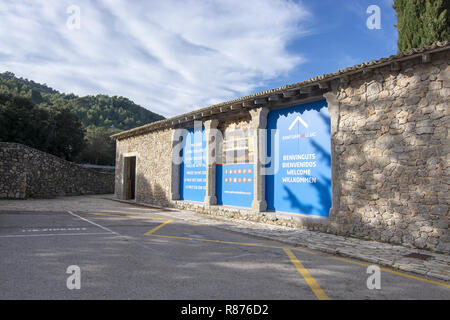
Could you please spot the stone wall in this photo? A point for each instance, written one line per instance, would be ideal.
(390, 158)
(393, 155)
(29, 173)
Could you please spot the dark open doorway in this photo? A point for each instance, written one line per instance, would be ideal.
(130, 178)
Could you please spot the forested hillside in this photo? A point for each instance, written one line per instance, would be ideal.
(100, 110)
(71, 127)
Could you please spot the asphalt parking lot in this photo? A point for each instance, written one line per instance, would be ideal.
(139, 253)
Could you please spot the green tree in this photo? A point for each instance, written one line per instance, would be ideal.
(36, 97)
(57, 130)
(100, 148)
(421, 22)
(22, 122)
(67, 134)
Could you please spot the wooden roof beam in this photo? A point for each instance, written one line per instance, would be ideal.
(275, 97)
(426, 58)
(306, 90)
(290, 93)
(260, 101)
(247, 104)
(324, 85)
(395, 66)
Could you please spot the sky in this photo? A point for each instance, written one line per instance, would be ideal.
(176, 56)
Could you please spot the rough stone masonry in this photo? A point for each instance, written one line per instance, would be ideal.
(390, 150)
(29, 173)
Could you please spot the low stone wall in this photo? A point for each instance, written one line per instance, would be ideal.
(29, 173)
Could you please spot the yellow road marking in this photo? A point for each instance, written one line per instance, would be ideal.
(349, 261)
(391, 271)
(137, 217)
(106, 214)
(231, 242)
(320, 294)
(158, 227)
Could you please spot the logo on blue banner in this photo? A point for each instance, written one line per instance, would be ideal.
(299, 146)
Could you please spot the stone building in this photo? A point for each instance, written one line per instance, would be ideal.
(362, 152)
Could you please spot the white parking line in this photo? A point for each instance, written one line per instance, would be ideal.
(53, 229)
(95, 224)
(52, 234)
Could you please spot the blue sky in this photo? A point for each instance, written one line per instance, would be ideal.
(175, 56)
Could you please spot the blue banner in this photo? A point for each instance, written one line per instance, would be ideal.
(193, 166)
(234, 184)
(299, 146)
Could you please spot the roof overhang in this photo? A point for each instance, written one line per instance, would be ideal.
(301, 90)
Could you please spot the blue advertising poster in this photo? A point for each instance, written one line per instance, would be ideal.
(299, 147)
(235, 172)
(193, 166)
(234, 184)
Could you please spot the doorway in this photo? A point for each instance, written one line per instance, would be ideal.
(130, 178)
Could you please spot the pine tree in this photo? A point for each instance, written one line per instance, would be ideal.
(421, 22)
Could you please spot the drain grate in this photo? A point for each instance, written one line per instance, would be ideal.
(419, 256)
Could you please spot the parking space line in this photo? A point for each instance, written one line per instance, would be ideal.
(53, 229)
(166, 221)
(110, 214)
(391, 271)
(158, 227)
(53, 234)
(151, 233)
(93, 223)
(320, 294)
(217, 241)
(232, 243)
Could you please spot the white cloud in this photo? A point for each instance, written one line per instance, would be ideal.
(170, 56)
